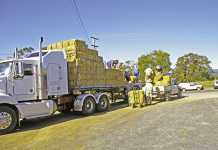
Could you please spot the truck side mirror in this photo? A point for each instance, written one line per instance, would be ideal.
(19, 73)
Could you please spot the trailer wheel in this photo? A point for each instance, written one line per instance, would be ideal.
(8, 119)
(103, 103)
(88, 106)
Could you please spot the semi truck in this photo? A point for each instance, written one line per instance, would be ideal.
(65, 76)
(43, 83)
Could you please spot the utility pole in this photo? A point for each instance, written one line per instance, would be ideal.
(94, 39)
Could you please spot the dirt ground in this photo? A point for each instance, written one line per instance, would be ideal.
(188, 123)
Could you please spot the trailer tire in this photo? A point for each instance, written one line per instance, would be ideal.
(8, 119)
(89, 106)
(103, 104)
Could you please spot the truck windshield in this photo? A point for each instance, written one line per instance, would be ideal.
(4, 68)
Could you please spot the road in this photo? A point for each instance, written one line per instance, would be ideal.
(187, 123)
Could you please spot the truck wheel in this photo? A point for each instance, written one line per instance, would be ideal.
(88, 106)
(8, 119)
(103, 103)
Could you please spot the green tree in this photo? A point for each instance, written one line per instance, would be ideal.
(192, 67)
(156, 57)
(23, 51)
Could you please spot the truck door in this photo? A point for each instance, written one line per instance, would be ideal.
(24, 87)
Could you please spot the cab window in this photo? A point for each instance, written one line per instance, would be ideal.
(28, 69)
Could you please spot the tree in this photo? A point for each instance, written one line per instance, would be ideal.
(23, 51)
(192, 67)
(156, 57)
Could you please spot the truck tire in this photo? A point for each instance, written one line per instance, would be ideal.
(88, 106)
(8, 119)
(103, 103)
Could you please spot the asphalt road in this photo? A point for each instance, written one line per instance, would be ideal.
(187, 123)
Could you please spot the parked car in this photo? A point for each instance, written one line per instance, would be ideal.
(190, 86)
(216, 84)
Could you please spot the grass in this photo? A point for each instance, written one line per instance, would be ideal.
(71, 133)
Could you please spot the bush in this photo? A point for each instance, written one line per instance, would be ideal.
(207, 84)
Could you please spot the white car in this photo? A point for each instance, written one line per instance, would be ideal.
(190, 86)
(216, 84)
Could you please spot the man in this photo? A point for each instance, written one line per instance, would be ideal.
(149, 75)
(158, 75)
(127, 75)
(136, 72)
(148, 88)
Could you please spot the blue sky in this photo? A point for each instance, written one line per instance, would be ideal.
(126, 28)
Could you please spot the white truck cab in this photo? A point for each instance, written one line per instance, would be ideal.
(26, 90)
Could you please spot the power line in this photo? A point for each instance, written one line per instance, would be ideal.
(80, 18)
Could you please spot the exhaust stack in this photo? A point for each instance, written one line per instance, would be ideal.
(40, 81)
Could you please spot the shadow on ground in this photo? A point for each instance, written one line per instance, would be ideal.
(39, 123)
